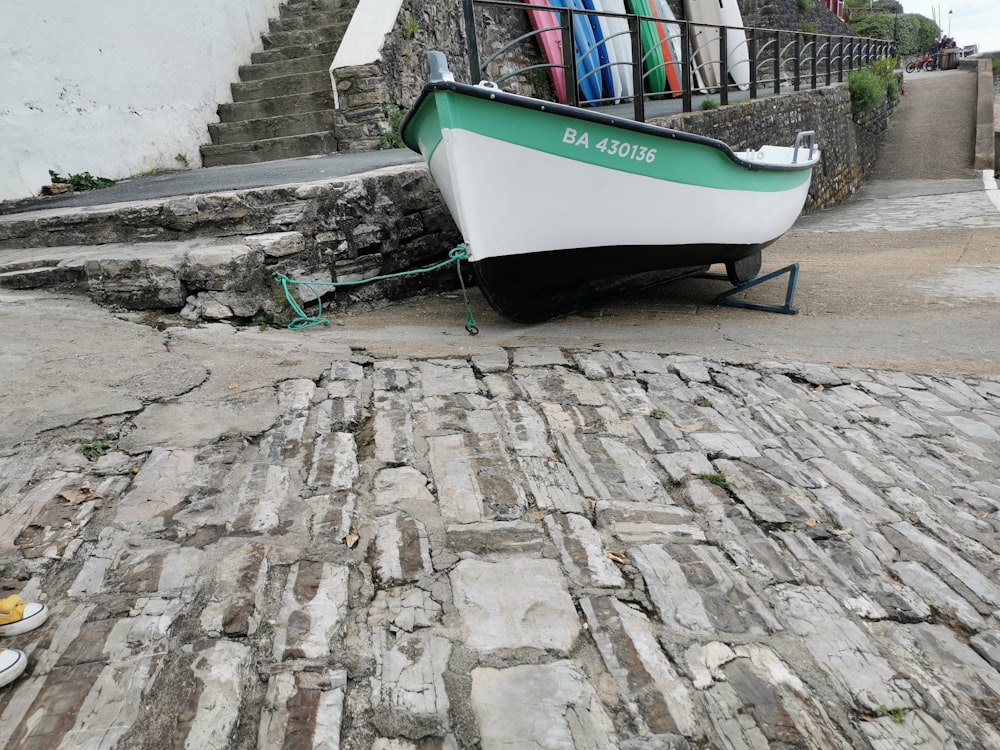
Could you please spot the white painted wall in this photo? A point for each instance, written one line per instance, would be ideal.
(115, 87)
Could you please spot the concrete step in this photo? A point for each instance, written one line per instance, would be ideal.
(270, 149)
(285, 85)
(296, 7)
(310, 20)
(315, 35)
(309, 64)
(223, 248)
(278, 106)
(271, 127)
(296, 51)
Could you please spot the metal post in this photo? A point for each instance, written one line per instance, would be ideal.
(638, 100)
(777, 62)
(752, 51)
(815, 59)
(475, 73)
(686, 67)
(569, 52)
(798, 60)
(840, 62)
(723, 66)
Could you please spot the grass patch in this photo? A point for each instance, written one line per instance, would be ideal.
(97, 448)
(719, 480)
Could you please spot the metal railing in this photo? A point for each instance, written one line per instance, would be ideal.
(779, 61)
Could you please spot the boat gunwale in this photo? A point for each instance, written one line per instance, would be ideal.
(491, 93)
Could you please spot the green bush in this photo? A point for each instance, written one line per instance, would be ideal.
(389, 137)
(82, 181)
(867, 91)
(873, 84)
(806, 6)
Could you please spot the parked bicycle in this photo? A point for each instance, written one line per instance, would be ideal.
(926, 62)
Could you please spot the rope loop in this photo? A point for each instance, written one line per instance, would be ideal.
(303, 320)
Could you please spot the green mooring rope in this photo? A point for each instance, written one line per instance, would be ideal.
(303, 320)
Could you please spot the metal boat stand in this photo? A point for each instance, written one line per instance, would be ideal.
(786, 309)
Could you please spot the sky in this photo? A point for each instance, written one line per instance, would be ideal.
(972, 21)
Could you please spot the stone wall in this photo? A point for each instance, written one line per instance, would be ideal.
(849, 148)
(369, 95)
(786, 14)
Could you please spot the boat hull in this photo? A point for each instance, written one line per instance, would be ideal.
(560, 206)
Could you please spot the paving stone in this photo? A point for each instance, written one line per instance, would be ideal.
(724, 444)
(402, 552)
(551, 485)
(409, 693)
(237, 599)
(658, 699)
(393, 432)
(987, 644)
(584, 557)
(445, 379)
(841, 649)
(558, 385)
(498, 613)
(303, 709)
(474, 479)
(550, 705)
(598, 365)
(937, 593)
(690, 369)
(696, 591)
(334, 462)
(491, 359)
(495, 537)
(313, 610)
(538, 356)
(524, 429)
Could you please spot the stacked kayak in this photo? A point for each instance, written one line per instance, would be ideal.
(604, 67)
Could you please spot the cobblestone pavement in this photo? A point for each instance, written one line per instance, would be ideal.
(528, 547)
(276, 540)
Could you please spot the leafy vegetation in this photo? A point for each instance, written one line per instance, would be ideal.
(719, 480)
(389, 137)
(82, 181)
(409, 28)
(806, 6)
(913, 33)
(872, 85)
(97, 448)
(709, 104)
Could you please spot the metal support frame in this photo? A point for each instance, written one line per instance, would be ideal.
(786, 309)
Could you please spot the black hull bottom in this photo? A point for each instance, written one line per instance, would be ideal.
(534, 287)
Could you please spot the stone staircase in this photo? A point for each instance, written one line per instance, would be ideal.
(282, 107)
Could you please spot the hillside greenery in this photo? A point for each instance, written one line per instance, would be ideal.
(913, 33)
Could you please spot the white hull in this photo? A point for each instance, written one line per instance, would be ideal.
(500, 213)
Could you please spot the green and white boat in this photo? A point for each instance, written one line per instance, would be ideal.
(561, 206)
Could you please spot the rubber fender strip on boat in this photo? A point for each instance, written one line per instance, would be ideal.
(303, 320)
(786, 309)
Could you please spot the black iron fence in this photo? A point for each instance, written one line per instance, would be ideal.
(770, 61)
